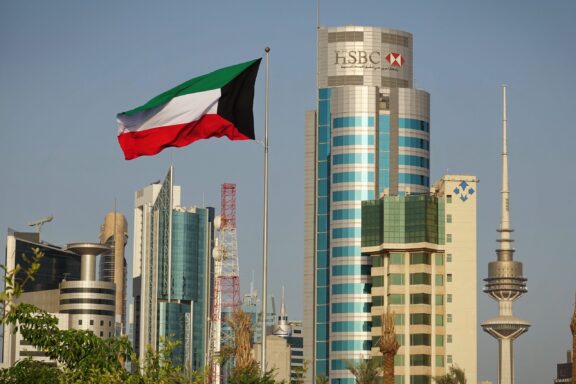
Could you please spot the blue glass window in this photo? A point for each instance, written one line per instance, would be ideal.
(350, 307)
(322, 169)
(340, 141)
(413, 142)
(419, 125)
(351, 345)
(322, 205)
(408, 178)
(348, 177)
(322, 331)
(346, 233)
(353, 158)
(322, 350)
(321, 313)
(322, 276)
(347, 214)
(351, 326)
(350, 288)
(353, 121)
(417, 161)
(352, 195)
(350, 270)
(346, 251)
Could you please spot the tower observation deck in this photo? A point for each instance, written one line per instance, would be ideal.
(505, 282)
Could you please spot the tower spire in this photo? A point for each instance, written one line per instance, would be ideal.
(505, 203)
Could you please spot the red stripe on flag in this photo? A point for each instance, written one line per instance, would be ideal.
(152, 141)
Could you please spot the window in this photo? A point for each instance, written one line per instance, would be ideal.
(398, 319)
(439, 320)
(80, 322)
(449, 277)
(420, 298)
(420, 258)
(439, 361)
(377, 301)
(448, 338)
(420, 278)
(448, 218)
(439, 259)
(420, 319)
(101, 323)
(91, 322)
(396, 279)
(449, 359)
(448, 237)
(101, 334)
(396, 299)
(439, 280)
(396, 259)
(449, 258)
(420, 339)
(449, 199)
(439, 300)
(377, 281)
(419, 360)
(449, 298)
(439, 340)
(449, 318)
(110, 323)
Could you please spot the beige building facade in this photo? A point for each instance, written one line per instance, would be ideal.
(423, 252)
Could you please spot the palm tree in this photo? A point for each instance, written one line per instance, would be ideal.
(455, 375)
(321, 379)
(388, 346)
(365, 371)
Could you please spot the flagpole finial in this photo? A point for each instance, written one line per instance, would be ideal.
(267, 49)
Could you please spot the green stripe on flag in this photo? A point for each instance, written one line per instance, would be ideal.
(212, 80)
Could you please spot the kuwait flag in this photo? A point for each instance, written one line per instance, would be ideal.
(213, 105)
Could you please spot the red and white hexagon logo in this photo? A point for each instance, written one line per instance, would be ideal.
(395, 59)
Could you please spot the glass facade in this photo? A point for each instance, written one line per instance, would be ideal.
(56, 265)
(403, 219)
(177, 284)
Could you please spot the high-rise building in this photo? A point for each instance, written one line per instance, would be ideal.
(65, 286)
(423, 270)
(505, 282)
(114, 234)
(172, 266)
(369, 135)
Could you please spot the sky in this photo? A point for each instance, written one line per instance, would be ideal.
(67, 67)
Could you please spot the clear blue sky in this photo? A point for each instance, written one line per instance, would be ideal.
(67, 67)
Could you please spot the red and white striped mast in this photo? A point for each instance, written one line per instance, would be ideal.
(226, 277)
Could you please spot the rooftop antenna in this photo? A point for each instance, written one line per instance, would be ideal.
(39, 223)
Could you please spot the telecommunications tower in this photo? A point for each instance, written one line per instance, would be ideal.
(226, 278)
(505, 282)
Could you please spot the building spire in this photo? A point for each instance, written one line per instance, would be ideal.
(505, 230)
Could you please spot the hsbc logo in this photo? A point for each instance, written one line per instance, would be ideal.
(395, 59)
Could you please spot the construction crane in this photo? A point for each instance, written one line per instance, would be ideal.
(39, 223)
(226, 295)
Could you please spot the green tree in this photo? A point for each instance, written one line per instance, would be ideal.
(321, 379)
(455, 375)
(83, 357)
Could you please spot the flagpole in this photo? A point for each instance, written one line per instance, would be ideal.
(265, 229)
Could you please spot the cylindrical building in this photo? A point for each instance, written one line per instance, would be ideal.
(89, 303)
(368, 137)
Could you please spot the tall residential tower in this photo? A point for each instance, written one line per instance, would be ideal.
(505, 282)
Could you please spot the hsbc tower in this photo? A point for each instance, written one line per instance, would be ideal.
(368, 137)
